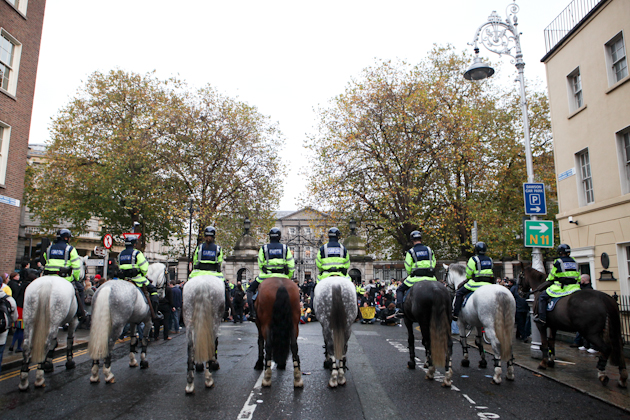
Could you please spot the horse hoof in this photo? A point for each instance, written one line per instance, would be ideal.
(49, 368)
(282, 366)
(70, 364)
(298, 384)
(446, 384)
(510, 377)
(144, 364)
(604, 380)
(328, 364)
(210, 383)
(95, 380)
(426, 365)
(622, 384)
(23, 389)
(199, 367)
(259, 365)
(411, 365)
(483, 364)
(342, 381)
(214, 366)
(495, 382)
(39, 384)
(465, 363)
(111, 380)
(266, 383)
(133, 364)
(430, 378)
(542, 365)
(551, 363)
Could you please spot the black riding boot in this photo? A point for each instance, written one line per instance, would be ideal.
(459, 300)
(400, 294)
(251, 291)
(541, 316)
(79, 295)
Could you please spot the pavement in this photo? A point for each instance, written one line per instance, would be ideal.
(574, 368)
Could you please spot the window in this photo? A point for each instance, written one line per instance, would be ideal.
(10, 50)
(624, 161)
(587, 181)
(307, 252)
(616, 58)
(5, 135)
(20, 5)
(575, 87)
(292, 231)
(307, 231)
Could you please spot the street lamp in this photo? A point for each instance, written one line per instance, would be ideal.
(503, 38)
(353, 226)
(191, 211)
(247, 224)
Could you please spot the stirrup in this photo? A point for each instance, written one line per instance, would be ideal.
(159, 315)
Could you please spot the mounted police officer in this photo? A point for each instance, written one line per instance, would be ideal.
(333, 258)
(478, 273)
(420, 265)
(61, 259)
(208, 256)
(274, 260)
(133, 266)
(566, 280)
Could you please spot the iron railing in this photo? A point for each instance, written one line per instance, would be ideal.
(624, 311)
(567, 20)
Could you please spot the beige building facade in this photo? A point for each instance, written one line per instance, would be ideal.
(589, 94)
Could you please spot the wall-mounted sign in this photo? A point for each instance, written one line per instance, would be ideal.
(566, 174)
(10, 201)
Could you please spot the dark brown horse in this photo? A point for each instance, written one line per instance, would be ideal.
(278, 320)
(593, 314)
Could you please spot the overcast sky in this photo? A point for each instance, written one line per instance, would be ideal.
(285, 57)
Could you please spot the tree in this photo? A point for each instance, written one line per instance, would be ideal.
(416, 147)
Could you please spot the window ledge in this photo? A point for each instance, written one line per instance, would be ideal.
(577, 111)
(619, 83)
(8, 94)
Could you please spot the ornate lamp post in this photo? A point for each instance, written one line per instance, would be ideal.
(191, 211)
(503, 38)
(247, 224)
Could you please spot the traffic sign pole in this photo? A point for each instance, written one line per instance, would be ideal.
(105, 263)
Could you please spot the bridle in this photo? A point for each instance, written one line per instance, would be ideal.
(449, 286)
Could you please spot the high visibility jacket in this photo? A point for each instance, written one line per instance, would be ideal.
(62, 259)
(133, 266)
(207, 260)
(420, 264)
(332, 259)
(479, 272)
(360, 290)
(275, 260)
(565, 276)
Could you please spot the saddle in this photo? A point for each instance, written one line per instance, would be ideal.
(466, 298)
(552, 303)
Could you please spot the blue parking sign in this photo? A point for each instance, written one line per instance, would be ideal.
(535, 202)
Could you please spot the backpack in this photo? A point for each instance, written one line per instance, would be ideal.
(5, 317)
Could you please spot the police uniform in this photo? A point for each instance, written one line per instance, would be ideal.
(478, 273)
(207, 260)
(133, 266)
(332, 259)
(420, 264)
(62, 259)
(565, 277)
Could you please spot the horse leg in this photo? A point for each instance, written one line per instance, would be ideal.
(297, 371)
(214, 364)
(94, 378)
(544, 346)
(107, 365)
(411, 364)
(464, 342)
(510, 369)
(604, 353)
(48, 365)
(491, 335)
(208, 380)
(448, 366)
(190, 373)
(70, 363)
(552, 348)
(482, 352)
(144, 363)
(426, 342)
(23, 386)
(260, 363)
(268, 349)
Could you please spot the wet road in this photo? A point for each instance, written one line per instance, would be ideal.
(379, 386)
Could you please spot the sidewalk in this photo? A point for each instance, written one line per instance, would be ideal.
(576, 369)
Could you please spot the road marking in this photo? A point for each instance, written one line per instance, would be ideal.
(469, 399)
(32, 367)
(247, 412)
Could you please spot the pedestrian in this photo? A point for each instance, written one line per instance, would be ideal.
(10, 317)
(176, 290)
(478, 273)
(522, 312)
(18, 295)
(5, 285)
(238, 297)
(420, 264)
(166, 308)
(14, 283)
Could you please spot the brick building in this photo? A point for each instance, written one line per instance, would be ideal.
(20, 35)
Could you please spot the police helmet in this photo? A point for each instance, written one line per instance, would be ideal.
(415, 235)
(564, 249)
(334, 233)
(130, 241)
(64, 234)
(210, 231)
(480, 248)
(275, 233)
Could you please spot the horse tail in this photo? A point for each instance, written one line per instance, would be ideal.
(281, 327)
(612, 330)
(101, 328)
(440, 329)
(338, 321)
(504, 325)
(41, 323)
(203, 324)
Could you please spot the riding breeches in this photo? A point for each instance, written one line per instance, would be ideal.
(459, 299)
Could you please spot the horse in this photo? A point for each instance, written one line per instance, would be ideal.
(429, 304)
(49, 303)
(492, 309)
(335, 304)
(203, 305)
(277, 320)
(157, 274)
(594, 314)
(115, 304)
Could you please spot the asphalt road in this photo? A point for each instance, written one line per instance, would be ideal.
(379, 386)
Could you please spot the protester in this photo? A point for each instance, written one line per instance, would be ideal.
(12, 309)
(238, 298)
(522, 312)
(166, 308)
(177, 305)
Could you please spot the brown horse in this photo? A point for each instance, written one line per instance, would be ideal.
(278, 320)
(593, 314)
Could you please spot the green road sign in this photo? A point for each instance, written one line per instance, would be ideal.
(539, 233)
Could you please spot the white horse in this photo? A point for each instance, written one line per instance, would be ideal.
(158, 275)
(491, 308)
(49, 303)
(335, 305)
(204, 304)
(116, 303)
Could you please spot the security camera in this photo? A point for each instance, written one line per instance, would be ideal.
(570, 219)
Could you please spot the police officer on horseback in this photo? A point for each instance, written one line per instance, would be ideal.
(62, 259)
(208, 256)
(478, 273)
(420, 265)
(333, 258)
(133, 267)
(274, 260)
(566, 280)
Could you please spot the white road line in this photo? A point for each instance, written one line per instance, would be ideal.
(247, 412)
(469, 399)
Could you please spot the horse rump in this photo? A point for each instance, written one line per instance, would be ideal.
(281, 327)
